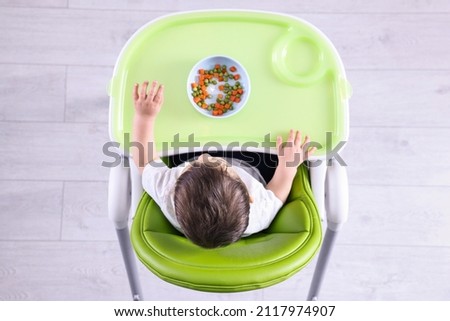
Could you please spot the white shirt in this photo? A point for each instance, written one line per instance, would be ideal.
(159, 182)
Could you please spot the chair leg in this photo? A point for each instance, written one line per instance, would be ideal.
(136, 187)
(130, 263)
(119, 200)
(336, 207)
(127, 251)
(322, 263)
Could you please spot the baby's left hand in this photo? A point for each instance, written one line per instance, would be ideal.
(148, 104)
(294, 151)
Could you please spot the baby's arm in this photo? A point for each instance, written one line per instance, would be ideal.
(289, 158)
(147, 107)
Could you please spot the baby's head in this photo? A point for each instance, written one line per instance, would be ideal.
(212, 204)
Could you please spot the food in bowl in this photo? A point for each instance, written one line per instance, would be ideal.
(218, 86)
(224, 93)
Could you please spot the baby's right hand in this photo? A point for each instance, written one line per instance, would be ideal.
(294, 151)
(148, 104)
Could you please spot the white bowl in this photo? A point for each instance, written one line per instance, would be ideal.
(208, 63)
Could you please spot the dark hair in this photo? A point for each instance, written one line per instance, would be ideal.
(211, 207)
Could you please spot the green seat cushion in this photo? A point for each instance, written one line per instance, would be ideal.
(254, 262)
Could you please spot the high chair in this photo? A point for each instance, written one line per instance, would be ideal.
(297, 81)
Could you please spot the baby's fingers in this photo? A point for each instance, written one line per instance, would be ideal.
(291, 136)
(279, 143)
(152, 90)
(144, 90)
(311, 151)
(306, 141)
(159, 94)
(136, 91)
(298, 138)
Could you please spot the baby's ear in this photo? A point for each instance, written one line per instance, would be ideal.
(250, 198)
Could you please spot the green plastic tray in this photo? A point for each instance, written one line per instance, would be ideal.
(297, 80)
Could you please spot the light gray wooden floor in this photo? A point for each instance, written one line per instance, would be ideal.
(56, 57)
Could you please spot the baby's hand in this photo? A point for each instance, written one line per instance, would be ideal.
(148, 104)
(294, 151)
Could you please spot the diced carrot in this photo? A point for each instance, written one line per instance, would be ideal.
(220, 107)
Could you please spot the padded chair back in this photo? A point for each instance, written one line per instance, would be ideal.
(254, 262)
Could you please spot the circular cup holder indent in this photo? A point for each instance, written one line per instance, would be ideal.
(298, 60)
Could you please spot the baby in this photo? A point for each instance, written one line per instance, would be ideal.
(213, 201)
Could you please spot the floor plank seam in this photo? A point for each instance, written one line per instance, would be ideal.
(62, 211)
(65, 93)
(250, 7)
(51, 180)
